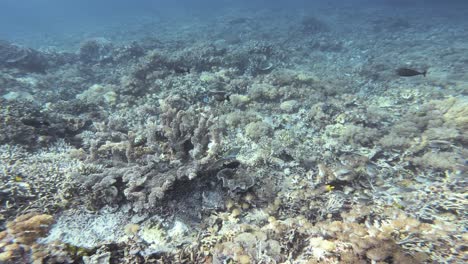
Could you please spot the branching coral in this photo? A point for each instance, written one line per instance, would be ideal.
(189, 132)
(40, 180)
(190, 142)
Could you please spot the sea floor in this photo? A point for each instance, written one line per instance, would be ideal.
(247, 137)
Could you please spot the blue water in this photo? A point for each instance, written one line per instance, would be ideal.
(56, 22)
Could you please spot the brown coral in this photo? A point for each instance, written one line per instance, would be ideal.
(21, 234)
(27, 228)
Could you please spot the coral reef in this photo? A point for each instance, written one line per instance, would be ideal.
(24, 123)
(22, 58)
(237, 141)
(95, 50)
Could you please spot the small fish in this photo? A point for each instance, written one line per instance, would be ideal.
(18, 178)
(405, 72)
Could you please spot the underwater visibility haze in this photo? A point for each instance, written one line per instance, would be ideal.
(233, 131)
